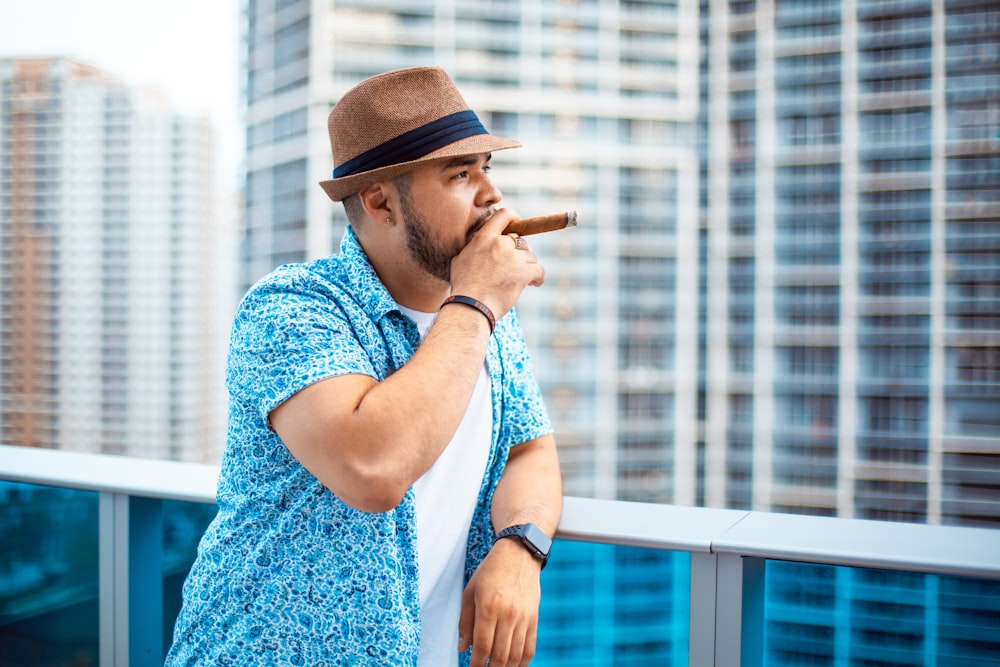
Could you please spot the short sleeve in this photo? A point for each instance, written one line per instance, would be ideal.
(525, 416)
(287, 335)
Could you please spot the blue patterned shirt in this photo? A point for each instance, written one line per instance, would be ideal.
(287, 573)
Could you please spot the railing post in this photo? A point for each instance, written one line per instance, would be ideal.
(739, 631)
(701, 633)
(131, 581)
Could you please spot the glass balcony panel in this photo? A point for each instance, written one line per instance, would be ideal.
(606, 605)
(826, 615)
(48, 575)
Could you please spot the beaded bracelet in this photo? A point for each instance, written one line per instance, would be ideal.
(474, 303)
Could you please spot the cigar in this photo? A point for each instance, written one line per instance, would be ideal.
(543, 223)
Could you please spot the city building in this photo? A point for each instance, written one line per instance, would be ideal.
(784, 295)
(851, 172)
(106, 291)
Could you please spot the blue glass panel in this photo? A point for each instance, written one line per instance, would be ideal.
(825, 615)
(183, 525)
(609, 606)
(48, 575)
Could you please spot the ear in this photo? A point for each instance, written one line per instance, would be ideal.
(377, 201)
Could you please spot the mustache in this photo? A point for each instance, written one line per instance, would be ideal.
(478, 223)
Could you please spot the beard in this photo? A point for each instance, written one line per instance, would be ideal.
(430, 255)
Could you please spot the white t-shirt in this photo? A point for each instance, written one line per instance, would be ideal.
(445, 501)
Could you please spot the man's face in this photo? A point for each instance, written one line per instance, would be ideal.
(443, 204)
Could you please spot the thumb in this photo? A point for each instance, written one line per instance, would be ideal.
(466, 620)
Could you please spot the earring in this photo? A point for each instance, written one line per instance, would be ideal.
(388, 220)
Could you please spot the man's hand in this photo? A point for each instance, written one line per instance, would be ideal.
(491, 269)
(500, 608)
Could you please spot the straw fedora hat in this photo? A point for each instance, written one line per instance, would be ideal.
(387, 125)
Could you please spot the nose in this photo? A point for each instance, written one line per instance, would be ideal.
(489, 194)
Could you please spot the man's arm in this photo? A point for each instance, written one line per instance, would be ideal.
(500, 604)
(369, 441)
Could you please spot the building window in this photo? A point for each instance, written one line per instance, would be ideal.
(291, 43)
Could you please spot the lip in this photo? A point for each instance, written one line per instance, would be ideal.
(478, 224)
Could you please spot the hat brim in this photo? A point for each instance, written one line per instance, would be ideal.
(339, 188)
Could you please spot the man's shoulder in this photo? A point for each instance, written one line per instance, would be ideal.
(301, 274)
(322, 279)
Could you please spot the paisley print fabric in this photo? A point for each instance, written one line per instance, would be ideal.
(287, 573)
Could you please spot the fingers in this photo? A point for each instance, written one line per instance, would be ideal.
(501, 644)
(527, 255)
(482, 641)
(512, 650)
(497, 223)
(503, 648)
(492, 268)
(521, 243)
(499, 634)
(466, 619)
(528, 642)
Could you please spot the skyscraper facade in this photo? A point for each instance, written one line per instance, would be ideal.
(851, 193)
(106, 235)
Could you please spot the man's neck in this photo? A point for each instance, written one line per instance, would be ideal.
(408, 284)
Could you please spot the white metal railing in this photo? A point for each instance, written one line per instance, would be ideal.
(728, 548)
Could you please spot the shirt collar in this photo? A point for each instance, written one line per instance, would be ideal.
(374, 298)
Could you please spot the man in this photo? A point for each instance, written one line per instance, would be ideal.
(390, 483)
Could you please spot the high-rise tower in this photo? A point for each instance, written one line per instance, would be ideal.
(105, 291)
(851, 198)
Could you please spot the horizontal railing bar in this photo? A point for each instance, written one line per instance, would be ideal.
(956, 550)
(646, 525)
(150, 478)
(953, 550)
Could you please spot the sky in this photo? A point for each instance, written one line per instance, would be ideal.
(189, 49)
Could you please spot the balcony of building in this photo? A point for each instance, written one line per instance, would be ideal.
(96, 547)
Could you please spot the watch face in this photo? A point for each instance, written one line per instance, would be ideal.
(534, 534)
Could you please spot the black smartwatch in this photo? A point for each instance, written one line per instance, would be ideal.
(532, 537)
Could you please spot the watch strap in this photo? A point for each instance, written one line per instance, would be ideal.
(521, 532)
